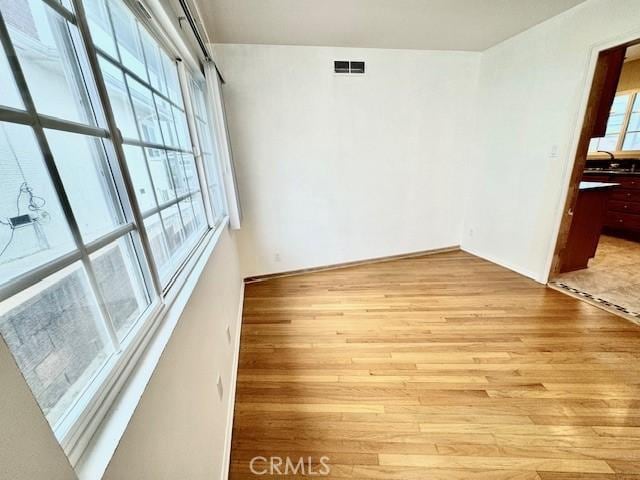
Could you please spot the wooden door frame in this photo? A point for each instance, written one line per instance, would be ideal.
(599, 83)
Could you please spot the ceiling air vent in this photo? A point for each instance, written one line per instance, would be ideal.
(340, 66)
(346, 67)
(357, 67)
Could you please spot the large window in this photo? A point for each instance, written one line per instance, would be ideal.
(85, 267)
(144, 89)
(623, 126)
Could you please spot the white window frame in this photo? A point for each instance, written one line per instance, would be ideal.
(79, 424)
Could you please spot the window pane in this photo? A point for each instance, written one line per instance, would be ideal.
(619, 106)
(193, 215)
(608, 143)
(614, 125)
(33, 228)
(198, 99)
(100, 26)
(632, 141)
(171, 75)
(42, 41)
(183, 130)
(158, 243)
(55, 332)
(199, 212)
(121, 284)
(206, 140)
(167, 124)
(126, 29)
(180, 181)
(205, 137)
(140, 177)
(188, 217)
(161, 175)
(173, 228)
(145, 112)
(87, 179)
(154, 62)
(119, 99)
(634, 122)
(215, 189)
(10, 95)
(190, 172)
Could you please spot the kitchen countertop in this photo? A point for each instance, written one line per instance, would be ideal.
(596, 185)
(611, 172)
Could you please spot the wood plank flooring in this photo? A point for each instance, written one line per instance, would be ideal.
(437, 367)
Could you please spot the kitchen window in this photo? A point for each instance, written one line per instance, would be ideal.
(622, 135)
(97, 219)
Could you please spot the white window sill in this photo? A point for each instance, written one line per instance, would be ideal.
(94, 459)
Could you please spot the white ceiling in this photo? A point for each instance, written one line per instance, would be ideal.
(414, 24)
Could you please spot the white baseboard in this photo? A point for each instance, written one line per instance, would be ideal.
(514, 268)
(231, 401)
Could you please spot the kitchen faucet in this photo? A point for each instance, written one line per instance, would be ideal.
(612, 158)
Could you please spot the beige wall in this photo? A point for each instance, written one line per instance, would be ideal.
(630, 76)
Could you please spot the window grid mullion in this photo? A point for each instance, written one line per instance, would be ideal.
(54, 174)
(143, 143)
(62, 11)
(143, 247)
(169, 204)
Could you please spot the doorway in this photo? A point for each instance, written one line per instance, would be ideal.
(597, 254)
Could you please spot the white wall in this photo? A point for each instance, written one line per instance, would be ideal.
(339, 168)
(179, 428)
(531, 96)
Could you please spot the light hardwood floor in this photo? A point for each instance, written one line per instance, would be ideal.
(438, 367)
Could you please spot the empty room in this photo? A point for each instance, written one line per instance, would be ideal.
(347, 239)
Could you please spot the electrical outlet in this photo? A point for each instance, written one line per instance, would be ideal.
(276, 257)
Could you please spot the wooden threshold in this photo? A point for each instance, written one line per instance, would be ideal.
(596, 302)
(323, 268)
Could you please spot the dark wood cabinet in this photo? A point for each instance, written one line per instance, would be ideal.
(623, 209)
(589, 216)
